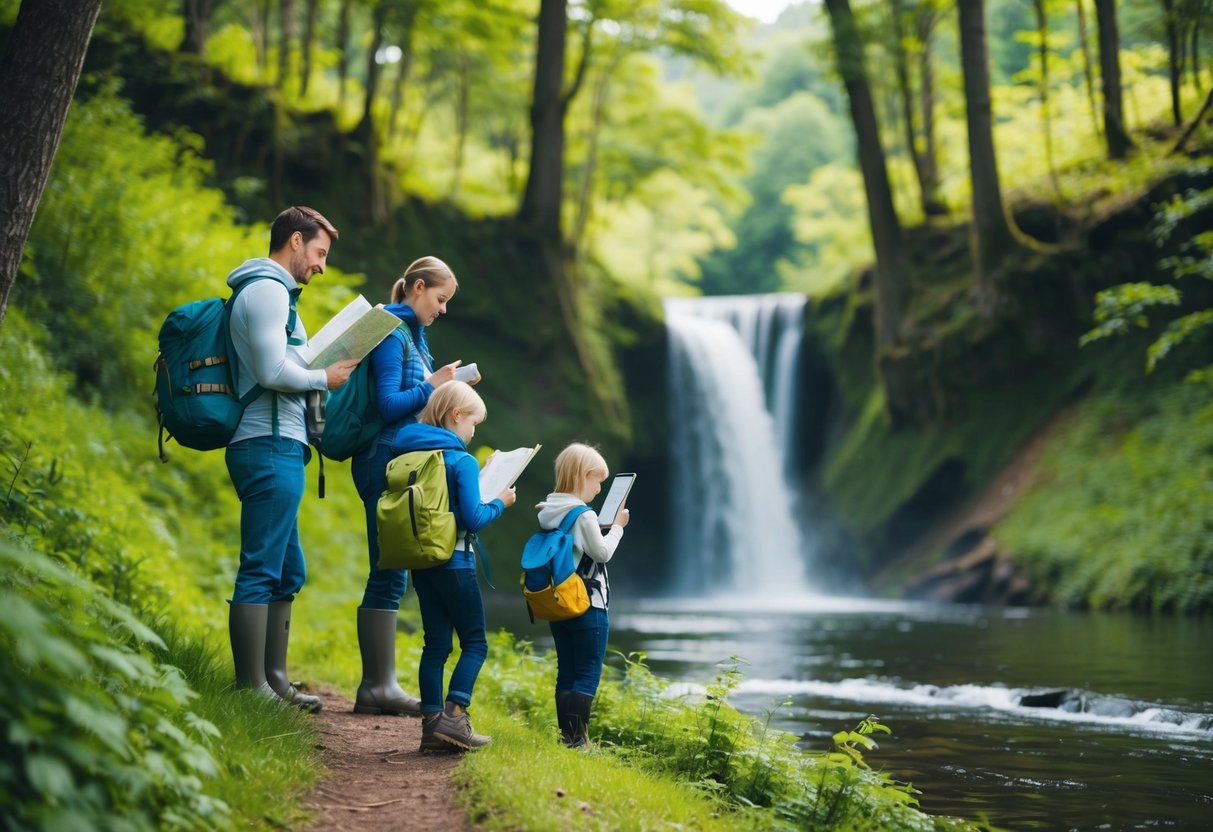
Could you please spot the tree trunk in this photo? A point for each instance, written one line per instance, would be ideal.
(403, 67)
(545, 183)
(286, 41)
(197, 15)
(585, 195)
(992, 236)
(1088, 68)
(1042, 28)
(343, 53)
(1174, 59)
(1115, 135)
(923, 171)
(309, 35)
(259, 27)
(39, 69)
(373, 210)
(927, 18)
(891, 264)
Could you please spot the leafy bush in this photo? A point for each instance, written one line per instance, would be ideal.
(1120, 514)
(96, 731)
(747, 774)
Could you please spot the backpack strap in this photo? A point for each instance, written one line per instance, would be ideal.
(472, 541)
(566, 525)
(291, 320)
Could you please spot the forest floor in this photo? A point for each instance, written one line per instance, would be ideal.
(377, 778)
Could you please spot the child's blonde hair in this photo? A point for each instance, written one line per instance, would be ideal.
(429, 270)
(449, 398)
(576, 462)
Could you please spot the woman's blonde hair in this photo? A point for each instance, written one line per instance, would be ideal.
(576, 462)
(429, 270)
(450, 397)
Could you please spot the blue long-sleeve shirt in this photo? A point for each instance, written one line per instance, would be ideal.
(462, 482)
(400, 365)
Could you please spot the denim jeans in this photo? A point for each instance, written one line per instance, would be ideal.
(268, 476)
(384, 587)
(580, 650)
(450, 602)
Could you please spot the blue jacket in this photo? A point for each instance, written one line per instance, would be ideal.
(462, 482)
(400, 372)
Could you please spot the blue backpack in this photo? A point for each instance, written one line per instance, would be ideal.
(553, 589)
(196, 402)
(351, 412)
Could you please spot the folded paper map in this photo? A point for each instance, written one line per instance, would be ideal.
(352, 333)
(501, 470)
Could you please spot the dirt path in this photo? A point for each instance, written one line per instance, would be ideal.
(377, 779)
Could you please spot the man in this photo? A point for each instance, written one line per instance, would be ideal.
(266, 455)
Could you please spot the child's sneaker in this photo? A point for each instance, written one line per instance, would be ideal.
(453, 727)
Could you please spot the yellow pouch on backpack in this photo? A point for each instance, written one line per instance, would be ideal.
(558, 602)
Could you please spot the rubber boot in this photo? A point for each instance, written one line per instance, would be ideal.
(454, 727)
(277, 636)
(379, 692)
(246, 629)
(580, 706)
(564, 716)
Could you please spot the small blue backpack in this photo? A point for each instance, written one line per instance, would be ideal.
(351, 412)
(196, 402)
(553, 589)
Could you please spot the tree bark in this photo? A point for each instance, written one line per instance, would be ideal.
(1174, 58)
(891, 264)
(197, 15)
(545, 183)
(373, 210)
(309, 35)
(1115, 135)
(928, 197)
(1088, 68)
(992, 235)
(286, 40)
(343, 52)
(39, 70)
(927, 18)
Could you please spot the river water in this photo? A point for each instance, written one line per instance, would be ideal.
(1130, 748)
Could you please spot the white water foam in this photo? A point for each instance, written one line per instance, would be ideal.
(1101, 711)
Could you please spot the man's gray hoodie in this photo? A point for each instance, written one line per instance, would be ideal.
(263, 356)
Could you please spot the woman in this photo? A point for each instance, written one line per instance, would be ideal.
(404, 378)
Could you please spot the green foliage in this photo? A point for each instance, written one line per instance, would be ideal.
(98, 732)
(1120, 514)
(1125, 307)
(654, 746)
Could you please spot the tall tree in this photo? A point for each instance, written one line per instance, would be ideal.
(343, 50)
(891, 261)
(1116, 137)
(310, 14)
(541, 201)
(1175, 60)
(286, 39)
(923, 158)
(992, 233)
(1088, 67)
(1042, 51)
(39, 70)
(197, 16)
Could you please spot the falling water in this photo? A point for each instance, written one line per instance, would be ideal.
(733, 374)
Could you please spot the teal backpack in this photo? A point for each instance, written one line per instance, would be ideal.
(196, 402)
(351, 412)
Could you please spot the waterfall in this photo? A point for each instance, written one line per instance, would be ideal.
(733, 397)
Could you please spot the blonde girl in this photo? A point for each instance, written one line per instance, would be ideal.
(581, 641)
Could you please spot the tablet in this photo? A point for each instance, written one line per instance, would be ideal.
(615, 497)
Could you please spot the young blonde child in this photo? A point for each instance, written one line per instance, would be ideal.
(581, 641)
(449, 595)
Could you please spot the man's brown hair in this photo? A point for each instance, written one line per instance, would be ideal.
(307, 221)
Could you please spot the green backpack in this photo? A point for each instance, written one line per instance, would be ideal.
(351, 413)
(416, 525)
